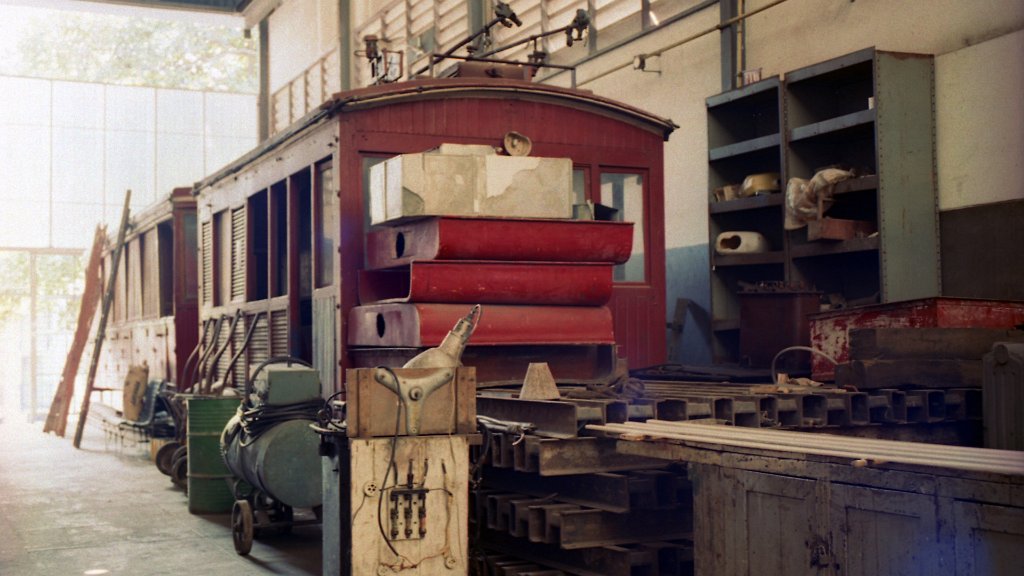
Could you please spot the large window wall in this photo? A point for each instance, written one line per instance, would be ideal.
(71, 149)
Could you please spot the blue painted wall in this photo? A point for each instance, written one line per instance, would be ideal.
(687, 276)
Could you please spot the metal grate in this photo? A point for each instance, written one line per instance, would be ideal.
(238, 255)
(237, 341)
(222, 363)
(259, 344)
(279, 332)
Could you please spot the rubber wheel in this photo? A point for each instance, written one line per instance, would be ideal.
(164, 457)
(179, 473)
(241, 526)
(181, 452)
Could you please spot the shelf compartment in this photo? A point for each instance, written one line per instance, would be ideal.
(750, 203)
(747, 92)
(744, 147)
(832, 125)
(832, 68)
(773, 257)
(746, 114)
(856, 185)
(812, 249)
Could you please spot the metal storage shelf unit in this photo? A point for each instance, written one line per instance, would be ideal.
(870, 111)
(744, 137)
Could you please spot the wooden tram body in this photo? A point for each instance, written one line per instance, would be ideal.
(154, 317)
(283, 229)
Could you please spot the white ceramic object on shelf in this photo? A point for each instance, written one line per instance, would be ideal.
(741, 242)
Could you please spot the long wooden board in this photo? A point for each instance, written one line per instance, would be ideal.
(57, 419)
(108, 298)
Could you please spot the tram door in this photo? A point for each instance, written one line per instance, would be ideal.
(638, 301)
(325, 233)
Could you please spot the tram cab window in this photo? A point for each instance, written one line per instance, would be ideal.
(625, 193)
(327, 225)
(579, 186)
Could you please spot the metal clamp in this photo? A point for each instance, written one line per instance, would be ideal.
(413, 392)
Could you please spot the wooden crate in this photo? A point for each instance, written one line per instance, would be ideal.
(373, 410)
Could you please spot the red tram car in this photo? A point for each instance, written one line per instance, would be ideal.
(154, 318)
(283, 229)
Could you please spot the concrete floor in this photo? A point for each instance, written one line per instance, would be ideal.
(106, 509)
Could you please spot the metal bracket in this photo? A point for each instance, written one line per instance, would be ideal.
(413, 392)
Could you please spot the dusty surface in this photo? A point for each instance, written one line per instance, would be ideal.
(106, 509)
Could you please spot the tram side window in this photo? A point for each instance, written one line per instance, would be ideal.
(165, 254)
(625, 193)
(327, 226)
(133, 278)
(260, 250)
(149, 273)
(278, 239)
(189, 258)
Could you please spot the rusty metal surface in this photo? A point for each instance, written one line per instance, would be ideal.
(755, 406)
(551, 419)
(653, 557)
(612, 492)
(1003, 385)
(572, 527)
(453, 238)
(415, 325)
(830, 330)
(533, 283)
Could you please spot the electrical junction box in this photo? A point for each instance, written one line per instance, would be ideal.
(281, 385)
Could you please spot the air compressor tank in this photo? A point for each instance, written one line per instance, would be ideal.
(269, 442)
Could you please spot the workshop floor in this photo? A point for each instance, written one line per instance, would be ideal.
(106, 509)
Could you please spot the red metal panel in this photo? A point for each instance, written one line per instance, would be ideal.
(535, 283)
(830, 331)
(587, 362)
(534, 240)
(416, 325)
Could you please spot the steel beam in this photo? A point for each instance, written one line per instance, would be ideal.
(454, 238)
(552, 419)
(417, 324)
(482, 282)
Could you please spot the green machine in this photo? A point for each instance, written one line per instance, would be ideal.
(269, 444)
